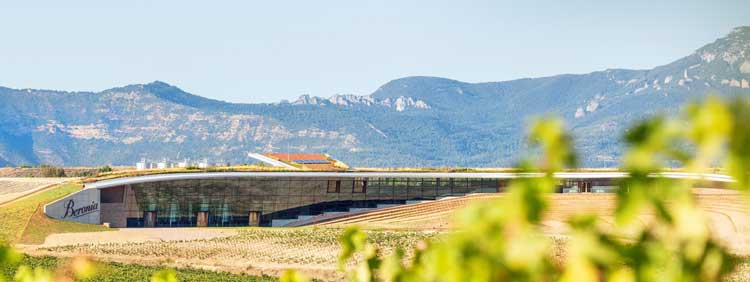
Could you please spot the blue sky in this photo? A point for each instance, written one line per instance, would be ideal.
(265, 51)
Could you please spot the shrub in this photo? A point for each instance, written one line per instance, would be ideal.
(52, 171)
(83, 173)
(104, 169)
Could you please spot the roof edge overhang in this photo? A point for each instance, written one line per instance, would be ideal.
(492, 175)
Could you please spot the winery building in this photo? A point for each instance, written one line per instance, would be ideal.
(278, 198)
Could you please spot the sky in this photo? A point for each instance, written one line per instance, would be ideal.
(266, 51)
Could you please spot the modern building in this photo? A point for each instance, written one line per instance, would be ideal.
(262, 198)
(143, 165)
(163, 164)
(166, 164)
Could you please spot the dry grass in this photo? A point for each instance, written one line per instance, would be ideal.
(40, 226)
(16, 214)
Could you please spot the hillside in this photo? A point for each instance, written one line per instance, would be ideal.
(411, 121)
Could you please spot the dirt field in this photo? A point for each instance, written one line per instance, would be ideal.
(137, 235)
(13, 188)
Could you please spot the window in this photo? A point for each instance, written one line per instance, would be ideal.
(253, 218)
(112, 195)
(334, 186)
(360, 186)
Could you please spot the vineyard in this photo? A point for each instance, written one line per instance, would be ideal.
(256, 251)
(269, 251)
(728, 213)
(117, 272)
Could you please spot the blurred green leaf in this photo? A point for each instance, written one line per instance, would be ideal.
(27, 274)
(293, 276)
(738, 160)
(166, 275)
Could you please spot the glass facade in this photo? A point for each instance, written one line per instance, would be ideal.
(244, 201)
(252, 201)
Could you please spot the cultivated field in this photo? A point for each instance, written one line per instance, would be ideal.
(12, 188)
(314, 250)
(727, 212)
(117, 272)
(258, 251)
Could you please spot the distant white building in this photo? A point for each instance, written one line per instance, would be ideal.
(203, 164)
(163, 164)
(142, 165)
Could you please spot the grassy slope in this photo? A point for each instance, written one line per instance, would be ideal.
(40, 226)
(116, 272)
(17, 214)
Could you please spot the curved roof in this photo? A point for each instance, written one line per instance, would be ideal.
(494, 175)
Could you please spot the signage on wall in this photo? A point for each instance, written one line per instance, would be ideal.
(72, 211)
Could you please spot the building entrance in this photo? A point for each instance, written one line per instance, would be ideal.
(253, 218)
(149, 219)
(202, 219)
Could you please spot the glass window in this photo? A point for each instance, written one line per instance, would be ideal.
(444, 187)
(400, 188)
(360, 185)
(112, 195)
(334, 186)
(429, 188)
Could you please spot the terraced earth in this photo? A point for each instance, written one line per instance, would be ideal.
(727, 212)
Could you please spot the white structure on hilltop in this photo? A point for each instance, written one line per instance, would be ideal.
(164, 164)
(203, 164)
(144, 164)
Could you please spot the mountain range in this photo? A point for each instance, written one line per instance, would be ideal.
(407, 122)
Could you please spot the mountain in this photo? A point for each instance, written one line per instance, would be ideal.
(411, 121)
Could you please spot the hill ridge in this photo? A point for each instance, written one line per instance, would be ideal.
(411, 121)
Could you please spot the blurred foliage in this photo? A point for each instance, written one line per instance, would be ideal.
(166, 275)
(82, 269)
(293, 276)
(502, 240)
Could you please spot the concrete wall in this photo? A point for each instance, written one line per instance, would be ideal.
(116, 214)
(83, 206)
